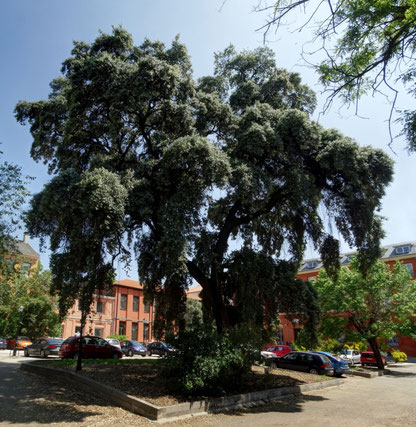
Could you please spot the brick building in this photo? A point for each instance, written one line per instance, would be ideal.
(309, 270)
(122, 311)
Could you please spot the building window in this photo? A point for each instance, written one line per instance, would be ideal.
(122, 328)
(402, 250)
(79, 306)
(145, 332)
(77, 330)
(98, 332)
(312, 264)
(147, 307)
(312, 279)
(135, 304)
(410, 268)
(100, 307)
(123, 302)
(134, 331)
(25, 268)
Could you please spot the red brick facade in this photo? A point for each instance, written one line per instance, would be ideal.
(121, 312)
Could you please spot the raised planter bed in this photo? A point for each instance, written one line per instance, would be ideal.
(155, 412)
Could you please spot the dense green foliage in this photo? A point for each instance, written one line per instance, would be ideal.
(13, 193)
(143, 153)
(369, 46)
(371, 307)
(208, 363)
(38, 317)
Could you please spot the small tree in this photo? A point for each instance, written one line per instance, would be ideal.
(377, 305)
(38, 316)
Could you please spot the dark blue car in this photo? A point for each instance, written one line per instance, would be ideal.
(340, 366)
(131, 347)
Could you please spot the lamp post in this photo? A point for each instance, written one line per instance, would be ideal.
(19, 325)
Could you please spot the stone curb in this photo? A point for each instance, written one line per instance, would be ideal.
(368, 374)
(186, 409)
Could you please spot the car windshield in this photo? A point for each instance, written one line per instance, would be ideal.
(137, 343)
(55, 340)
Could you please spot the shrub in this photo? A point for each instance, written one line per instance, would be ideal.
(359, 345)
(118, 337)
(330, 345)
(399, 356)
(208, 363)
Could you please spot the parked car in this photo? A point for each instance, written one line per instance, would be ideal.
(368, 358)
(352, 356)
(44, 347)
(160, 348)
(3, 343)
(92, 348)
(130, 348)
(276, 350)
(303, 361)
(340, 366)
(22, 342)
(114, 342)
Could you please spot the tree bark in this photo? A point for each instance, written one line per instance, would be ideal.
(376, 349)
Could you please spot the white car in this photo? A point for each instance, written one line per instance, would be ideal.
(114, 342)
(351, 356)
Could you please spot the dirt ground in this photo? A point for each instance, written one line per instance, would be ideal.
(144, 382)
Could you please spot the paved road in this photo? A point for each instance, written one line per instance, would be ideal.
(383, 401)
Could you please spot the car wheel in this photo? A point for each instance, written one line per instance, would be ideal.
(75, 356)
(313, 371)
(43, 354)
(129, 353)
(116, 356)
(273, 365)
(26, 352)
(150, 353)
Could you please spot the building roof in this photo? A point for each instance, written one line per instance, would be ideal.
(396, 250)
(22, 247)
(128, 283)
(193, 293)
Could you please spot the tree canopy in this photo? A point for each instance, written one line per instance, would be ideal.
(368, 45)
(142, 152)
(377, 305)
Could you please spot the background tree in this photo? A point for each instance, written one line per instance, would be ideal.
(377, 305)
(369, 47)
(39, 317)
(142, 152)
(13, 193)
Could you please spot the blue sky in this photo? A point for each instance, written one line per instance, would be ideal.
(35, 37)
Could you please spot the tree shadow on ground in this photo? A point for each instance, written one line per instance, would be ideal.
(27, 398)
(290, 404)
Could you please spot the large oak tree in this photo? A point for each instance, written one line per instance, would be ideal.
(141, 152)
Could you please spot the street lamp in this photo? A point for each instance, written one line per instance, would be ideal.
(19, 325)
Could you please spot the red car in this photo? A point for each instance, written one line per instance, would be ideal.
(276, 350)
(368, 358)
(92, 348)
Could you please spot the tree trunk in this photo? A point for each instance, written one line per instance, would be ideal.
(376, 349)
